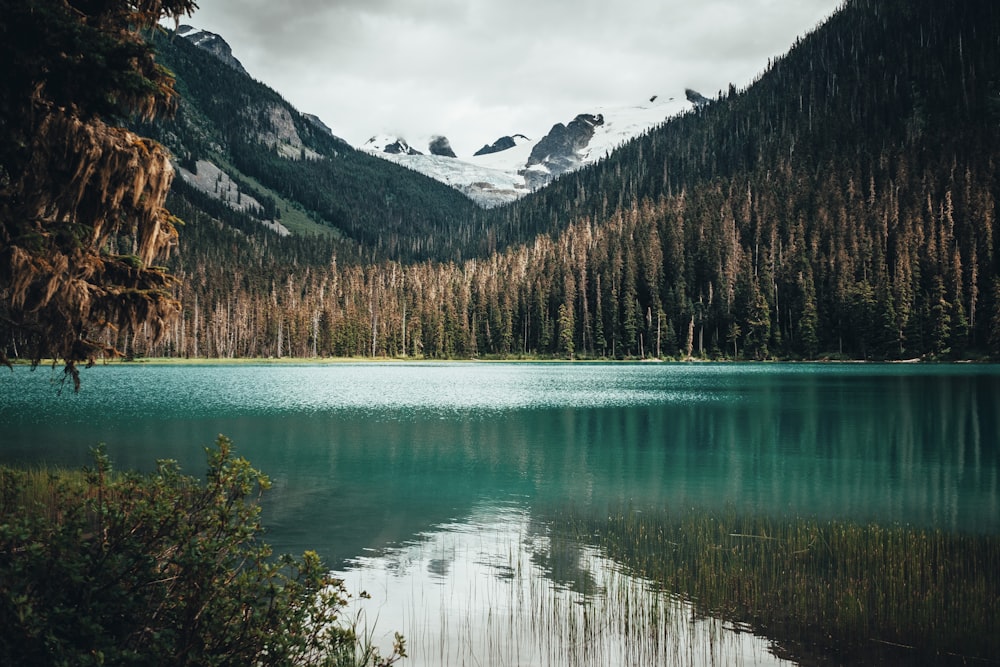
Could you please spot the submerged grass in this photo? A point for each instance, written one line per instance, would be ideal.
(518, 594)
(836, 589)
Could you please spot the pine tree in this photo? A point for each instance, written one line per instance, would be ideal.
(940, 318)
(809, 321)
(82, 217)
(995, 320)
(566, 325)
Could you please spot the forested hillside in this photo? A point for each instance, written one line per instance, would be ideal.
(843, 204)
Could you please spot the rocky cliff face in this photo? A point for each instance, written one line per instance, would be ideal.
(696, 98)
(279, 133)
(400, 147)
(559, 151)
(501, 144)
(213, 44)
(442, 147)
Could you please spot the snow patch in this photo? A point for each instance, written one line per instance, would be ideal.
(502, 177)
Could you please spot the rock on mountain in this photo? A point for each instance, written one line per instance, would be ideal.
(561, 150)
(696, 98)
(513, 165)
(213, 44)
(441, 146)
(501, 144)
(316, 121)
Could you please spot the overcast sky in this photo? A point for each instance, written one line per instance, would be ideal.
(475, 70)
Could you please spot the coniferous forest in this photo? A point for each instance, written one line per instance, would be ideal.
(841, 206)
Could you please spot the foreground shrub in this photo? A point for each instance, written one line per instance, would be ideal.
(160, 569)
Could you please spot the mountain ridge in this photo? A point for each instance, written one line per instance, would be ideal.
(505, 171)
(293, 164)
(497, 181)
(841, 206)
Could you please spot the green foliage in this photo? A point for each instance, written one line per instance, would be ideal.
(161, 569)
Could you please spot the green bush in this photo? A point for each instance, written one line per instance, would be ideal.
(161, 569)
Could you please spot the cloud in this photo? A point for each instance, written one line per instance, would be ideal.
(476, 69)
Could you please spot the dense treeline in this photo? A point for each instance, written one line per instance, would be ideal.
(891, 264)
(843, 205)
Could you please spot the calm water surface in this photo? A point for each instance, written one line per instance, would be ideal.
(394, 471)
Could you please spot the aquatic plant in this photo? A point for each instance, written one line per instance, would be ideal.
(503, 589)
(841, 588)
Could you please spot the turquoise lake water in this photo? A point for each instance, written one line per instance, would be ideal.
(389, 469)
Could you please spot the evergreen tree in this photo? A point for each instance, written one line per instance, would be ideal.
(566, 325)
(82, 217)
(809, 320)
(940, 318)
(995, 319)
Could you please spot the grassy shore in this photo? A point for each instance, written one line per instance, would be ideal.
(523, 358)
(826, 591)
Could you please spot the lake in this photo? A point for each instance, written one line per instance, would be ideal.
(430, 484)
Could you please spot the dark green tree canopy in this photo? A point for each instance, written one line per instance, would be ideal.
(82, 219)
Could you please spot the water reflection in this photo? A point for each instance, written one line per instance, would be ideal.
(497, 589)
(367, 455)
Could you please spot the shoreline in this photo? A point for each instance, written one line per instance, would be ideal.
(322, 361)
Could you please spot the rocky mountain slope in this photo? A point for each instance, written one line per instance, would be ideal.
(212, 43)
(515, 165)
(510, 167)
(241, 148)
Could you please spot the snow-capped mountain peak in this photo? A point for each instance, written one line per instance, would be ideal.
(395, 145)
(390, 144)
(514, 165)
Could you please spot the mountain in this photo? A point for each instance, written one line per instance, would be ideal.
(518, 165)
(841, 206)
(212, 43)
(238, 142)
(514, 165)
(501, 144)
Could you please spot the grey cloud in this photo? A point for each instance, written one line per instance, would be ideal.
(471, 69)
